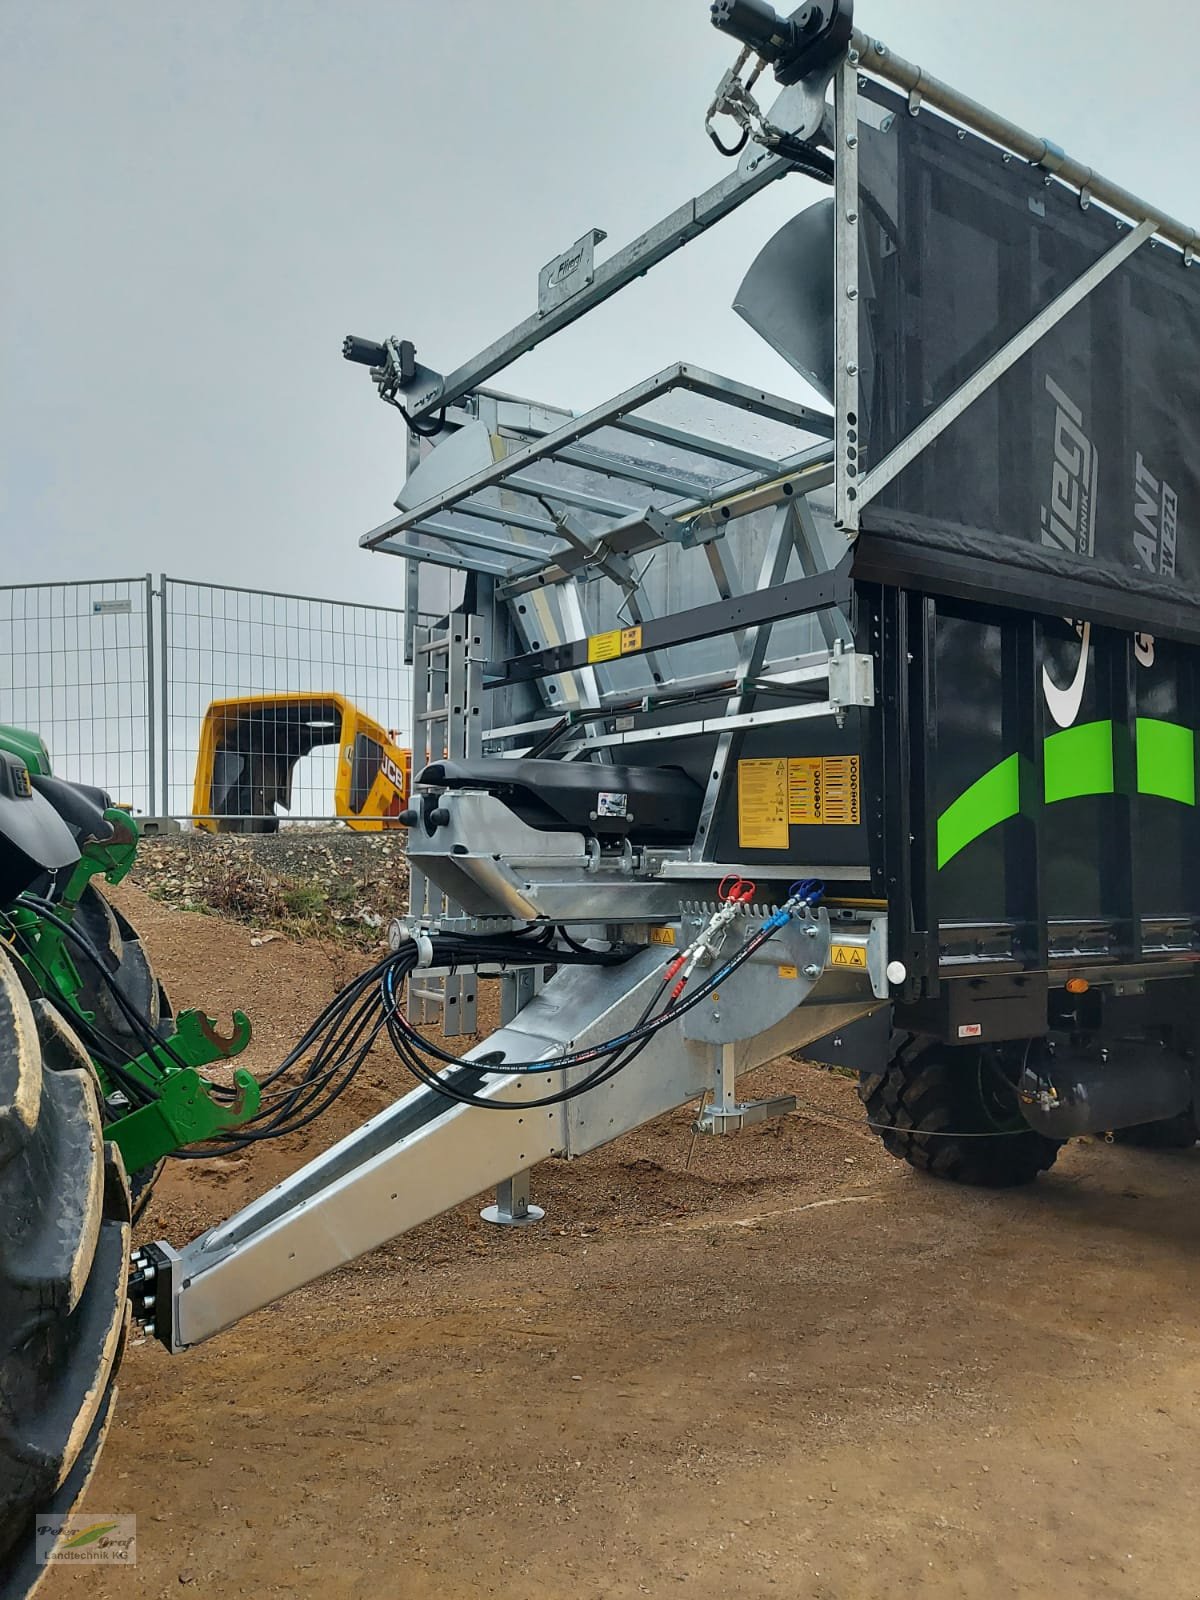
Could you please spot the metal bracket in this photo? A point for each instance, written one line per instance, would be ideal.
(566, 274)
(743, 1114)
(851, 678)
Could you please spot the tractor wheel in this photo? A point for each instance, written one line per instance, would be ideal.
(127, 964)
(953, 1113)
(64, 1252)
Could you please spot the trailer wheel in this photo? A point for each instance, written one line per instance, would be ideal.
(64, 1252)
(1172, 1133)
(952, 1112)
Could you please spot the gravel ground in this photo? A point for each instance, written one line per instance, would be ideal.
(307, 882)
(780, 1364)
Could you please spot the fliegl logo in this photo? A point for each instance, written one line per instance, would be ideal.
(1069, 524)
(567, 265)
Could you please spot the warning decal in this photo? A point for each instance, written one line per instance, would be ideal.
(662, 935)
(839, 796)
(824, 789)
(848, 955)
(615, 643)
(804, 789)
(763, 805)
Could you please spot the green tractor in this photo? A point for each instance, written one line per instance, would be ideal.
(99, 1083)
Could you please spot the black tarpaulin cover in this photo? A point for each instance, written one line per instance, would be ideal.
(1088, 448)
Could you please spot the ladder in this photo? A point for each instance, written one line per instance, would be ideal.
(447, 725)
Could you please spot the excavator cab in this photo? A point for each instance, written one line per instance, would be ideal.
(249, 748)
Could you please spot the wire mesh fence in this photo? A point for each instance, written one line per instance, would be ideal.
(118, 676)
(77, 666)
(275, 752)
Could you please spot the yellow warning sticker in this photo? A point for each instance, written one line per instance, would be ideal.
(788, 971)
(804, 789)
(824, 790)
(662, 935)
(840, 791)
(848, 955)
(615, 643)
(604, 646)
(763, 805)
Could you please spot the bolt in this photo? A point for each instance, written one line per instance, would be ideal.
(812, 970)
(852, 57)
(148, 1330)
(879, 47)
(852, 216)
(851, 141)
(148, 1302)
(811, 930)
(852, 369)
(851, 293)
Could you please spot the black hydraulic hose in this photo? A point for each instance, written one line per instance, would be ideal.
(138, 1024)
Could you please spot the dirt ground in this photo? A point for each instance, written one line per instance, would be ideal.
(779, 1364)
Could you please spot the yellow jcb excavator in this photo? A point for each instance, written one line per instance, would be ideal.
(249, 748)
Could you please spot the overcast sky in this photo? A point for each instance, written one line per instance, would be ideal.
(199, 199)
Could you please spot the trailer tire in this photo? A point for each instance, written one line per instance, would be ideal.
(64, 1254)
(1172, 1133)
(951, 1112)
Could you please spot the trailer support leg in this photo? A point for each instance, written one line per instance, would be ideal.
(512, 1208)
(726, 1113)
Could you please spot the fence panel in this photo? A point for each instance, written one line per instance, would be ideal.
(76, 666)
(219, 642)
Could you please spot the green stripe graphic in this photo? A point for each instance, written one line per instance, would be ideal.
(1078, 761)
(1166, 760)
(989, 800)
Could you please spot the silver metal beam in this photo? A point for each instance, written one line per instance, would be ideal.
(724, 724)
(980, 381)
(875, 57)
(441, 558)
(489, 541)
(511, 518)
(644, 472)
(540, 488)
(648, 428)
(646, 251)
(846, 305)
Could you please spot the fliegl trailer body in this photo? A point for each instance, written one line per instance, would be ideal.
(860, 724)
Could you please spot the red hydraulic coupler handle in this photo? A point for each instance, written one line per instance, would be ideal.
(735, 894)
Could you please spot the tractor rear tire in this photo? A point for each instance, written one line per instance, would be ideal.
(127, 965)
(64, 1254)
(952, 1112)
